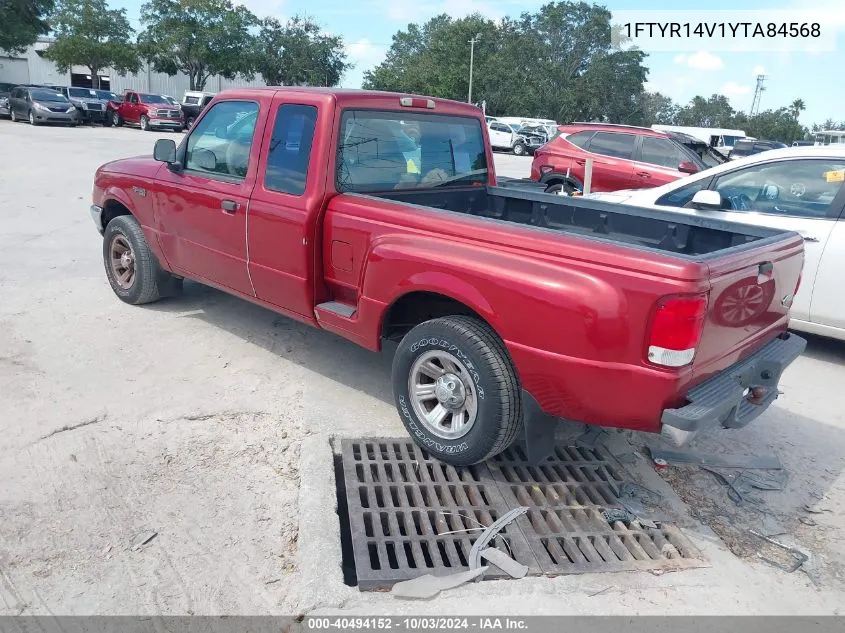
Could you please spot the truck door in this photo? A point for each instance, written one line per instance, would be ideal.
(285, 206)
(202, 208)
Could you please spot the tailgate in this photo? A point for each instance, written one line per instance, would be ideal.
(750, 295)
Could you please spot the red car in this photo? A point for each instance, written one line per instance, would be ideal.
(378, 217)
(624, 157)
(147, 111)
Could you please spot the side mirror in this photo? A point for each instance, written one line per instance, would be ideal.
(707, 199)
(688, 167)
(165, 150)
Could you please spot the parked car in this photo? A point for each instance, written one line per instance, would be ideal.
(508, 307)
(795, 189)
(193, 103)
(708, 155)
(748, 147)
(5, 90)
(90, 108)
(501, 135)
(624, 157)
(41, 105)
(147, 111)
(529, 138)
(112, 102)
(803, 143)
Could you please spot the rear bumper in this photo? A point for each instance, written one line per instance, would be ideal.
(725, 398)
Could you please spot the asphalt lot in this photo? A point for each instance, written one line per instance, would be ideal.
(207, 421)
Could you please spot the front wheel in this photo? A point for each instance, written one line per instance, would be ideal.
(116, 120)
(145, 123)
(519, 148)
(562, 188)
(456, 390)
(132, 269)
(189, 122)
(13, 116)
(32, 119)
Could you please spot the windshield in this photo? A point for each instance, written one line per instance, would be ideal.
(380, 151)
(154, 99)
(110, 96)
(83, 93)
(46, 95)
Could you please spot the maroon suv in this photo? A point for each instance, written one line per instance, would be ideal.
(624, 157)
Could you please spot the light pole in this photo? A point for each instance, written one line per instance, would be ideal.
(471, 59)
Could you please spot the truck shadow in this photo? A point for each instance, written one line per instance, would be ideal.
(824, 349)
(317, 350)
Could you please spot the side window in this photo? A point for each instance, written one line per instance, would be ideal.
(612, 144)
(681, 196)
(133, 98)
(580, 139)
(220, 143)
(659, 151)
(803, 188)
(290, 149)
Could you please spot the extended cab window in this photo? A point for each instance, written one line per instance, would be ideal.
(612, 144)
(290, 149)
(380, 151)
(220, 143)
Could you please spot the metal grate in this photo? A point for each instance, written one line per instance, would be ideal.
(409, 514)
(564, 526)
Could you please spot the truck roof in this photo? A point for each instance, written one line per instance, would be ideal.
(346, 97)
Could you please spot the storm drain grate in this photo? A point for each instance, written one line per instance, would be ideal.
(410, 514)
(564, 526)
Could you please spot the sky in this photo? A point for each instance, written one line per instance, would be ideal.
(367, 27)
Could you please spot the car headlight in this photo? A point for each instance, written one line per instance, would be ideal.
(43, 108)
(3, 102)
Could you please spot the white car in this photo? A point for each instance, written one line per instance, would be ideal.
(798, 188)
(501, 135)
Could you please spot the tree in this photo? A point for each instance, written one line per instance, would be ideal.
(21, 22)
(776, 125)
(90, 34)
(657, 108)
(555, 63)
(298, 52)
(200, 38)
(797, 107)
(713, 112)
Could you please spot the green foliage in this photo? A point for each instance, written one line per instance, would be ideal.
(200, 38)
(90, 34)
(556, 63)
(298, 52)
(713, 112)
(21, 22)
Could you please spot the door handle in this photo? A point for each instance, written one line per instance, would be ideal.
(229, 206)
(580, 162)
(810, 238)
(643, 174)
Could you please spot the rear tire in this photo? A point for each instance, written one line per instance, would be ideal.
(147, 282)
(189, 123)
(473, 363)
(566, 187)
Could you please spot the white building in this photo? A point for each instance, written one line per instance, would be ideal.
(31, 67)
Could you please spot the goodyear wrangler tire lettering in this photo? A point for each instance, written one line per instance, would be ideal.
(488, 374)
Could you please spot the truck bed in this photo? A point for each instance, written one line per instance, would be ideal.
(681, 235)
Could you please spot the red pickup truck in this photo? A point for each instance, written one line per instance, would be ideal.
(377, 216)
(147, 111)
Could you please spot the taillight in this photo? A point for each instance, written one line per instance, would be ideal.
(676, 326)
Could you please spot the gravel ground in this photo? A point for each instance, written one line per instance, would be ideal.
(175, 458)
